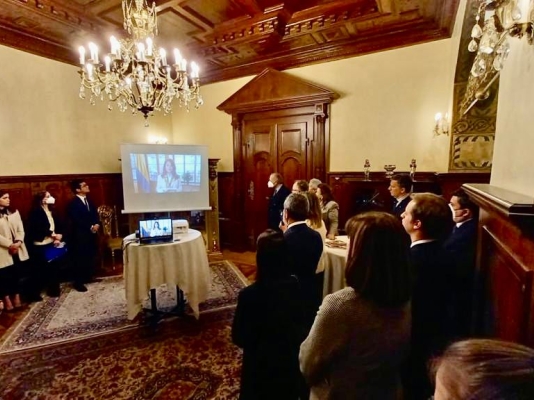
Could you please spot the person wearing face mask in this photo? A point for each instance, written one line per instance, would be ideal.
(43, 234)
(461, 246)
(13, 254)
(276, 201)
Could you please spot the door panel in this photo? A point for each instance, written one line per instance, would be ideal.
(258, 166)
(270, 145)
(292, 151)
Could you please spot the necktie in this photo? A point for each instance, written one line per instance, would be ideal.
(86, 203)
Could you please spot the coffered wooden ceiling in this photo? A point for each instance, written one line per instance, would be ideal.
(233, 38)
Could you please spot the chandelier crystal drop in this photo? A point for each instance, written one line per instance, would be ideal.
(137, 74)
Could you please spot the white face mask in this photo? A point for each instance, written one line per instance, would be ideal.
(270, 184)
(50, 200)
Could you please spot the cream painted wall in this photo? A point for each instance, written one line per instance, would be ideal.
(514, 138)
(385, 112)
(47, 129)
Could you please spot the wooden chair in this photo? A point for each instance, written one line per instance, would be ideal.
(110, 230)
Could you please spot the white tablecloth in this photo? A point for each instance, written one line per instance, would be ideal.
(334, 260)
(183, 263)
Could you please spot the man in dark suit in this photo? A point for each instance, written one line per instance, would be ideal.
(461, 246)
(305, 247)
(276, 201)
(400, 188)
(84, 226)
(427, 221)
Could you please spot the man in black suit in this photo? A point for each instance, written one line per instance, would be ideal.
(305, 247)
(84, 226)
(276, 201)
(461, 246)
(427, 221)
(400, 188)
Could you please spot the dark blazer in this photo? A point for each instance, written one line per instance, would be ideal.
(431, 315)
(461, 247)
(398, 208)
(81, 219)
(276, 205)
(305, 247)
(268, 326)
(39, 226)
(431, 318)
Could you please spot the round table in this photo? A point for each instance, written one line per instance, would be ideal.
(182, 263)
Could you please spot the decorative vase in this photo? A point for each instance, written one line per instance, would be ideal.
(389, 170)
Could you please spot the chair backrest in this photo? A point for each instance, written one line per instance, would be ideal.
(106, 215)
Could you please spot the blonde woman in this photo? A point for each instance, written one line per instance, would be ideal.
(315, 220)
(12, 252)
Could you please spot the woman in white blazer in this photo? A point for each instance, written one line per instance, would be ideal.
(12, 252)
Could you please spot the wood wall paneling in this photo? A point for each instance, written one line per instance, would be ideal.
(505, 264)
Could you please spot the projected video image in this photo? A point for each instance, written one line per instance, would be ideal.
(166, 173)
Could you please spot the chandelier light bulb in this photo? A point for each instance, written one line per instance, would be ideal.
(81, 49)
(136, 72)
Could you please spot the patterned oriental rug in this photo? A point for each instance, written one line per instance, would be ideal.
(72, 348)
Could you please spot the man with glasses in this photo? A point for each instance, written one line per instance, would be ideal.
(461, 246)
(84, 226)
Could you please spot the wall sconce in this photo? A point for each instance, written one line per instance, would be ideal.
(442, 125)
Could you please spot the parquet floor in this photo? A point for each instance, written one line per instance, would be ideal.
(246, 262)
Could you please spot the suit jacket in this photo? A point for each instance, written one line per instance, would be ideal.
(305, 247)
(276, 205)
(268, 325)
(432, 294)
(81, 219)
(461, 247)
(398, 208)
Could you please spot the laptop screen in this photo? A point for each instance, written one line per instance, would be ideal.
(155, 228)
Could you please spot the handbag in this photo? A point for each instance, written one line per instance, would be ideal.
(52, 252)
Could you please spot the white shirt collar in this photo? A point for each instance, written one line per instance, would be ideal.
(82, 198)
(422, 241)
(399, 199)
(295, 223)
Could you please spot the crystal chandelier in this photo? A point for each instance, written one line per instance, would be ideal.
(136, 73)
(496, 21)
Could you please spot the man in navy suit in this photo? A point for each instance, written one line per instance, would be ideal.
(84, 226)
(400, 188)
(427, 219)
(276, 201)
(461, 246)
(305, 247)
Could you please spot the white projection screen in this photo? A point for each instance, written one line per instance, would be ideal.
(158, 178)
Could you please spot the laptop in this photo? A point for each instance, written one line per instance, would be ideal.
(153, 231)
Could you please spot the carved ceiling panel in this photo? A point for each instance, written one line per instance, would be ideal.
(233, 38)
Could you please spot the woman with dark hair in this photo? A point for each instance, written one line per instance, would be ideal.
(329, 210)
(168, 180)
(12, 253)
(361, 334)
(42, 232)
(268, 325)
(484, 369)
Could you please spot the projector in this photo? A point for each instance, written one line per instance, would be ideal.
(179, 227)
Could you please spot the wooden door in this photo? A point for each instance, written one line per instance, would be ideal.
(271, 145)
